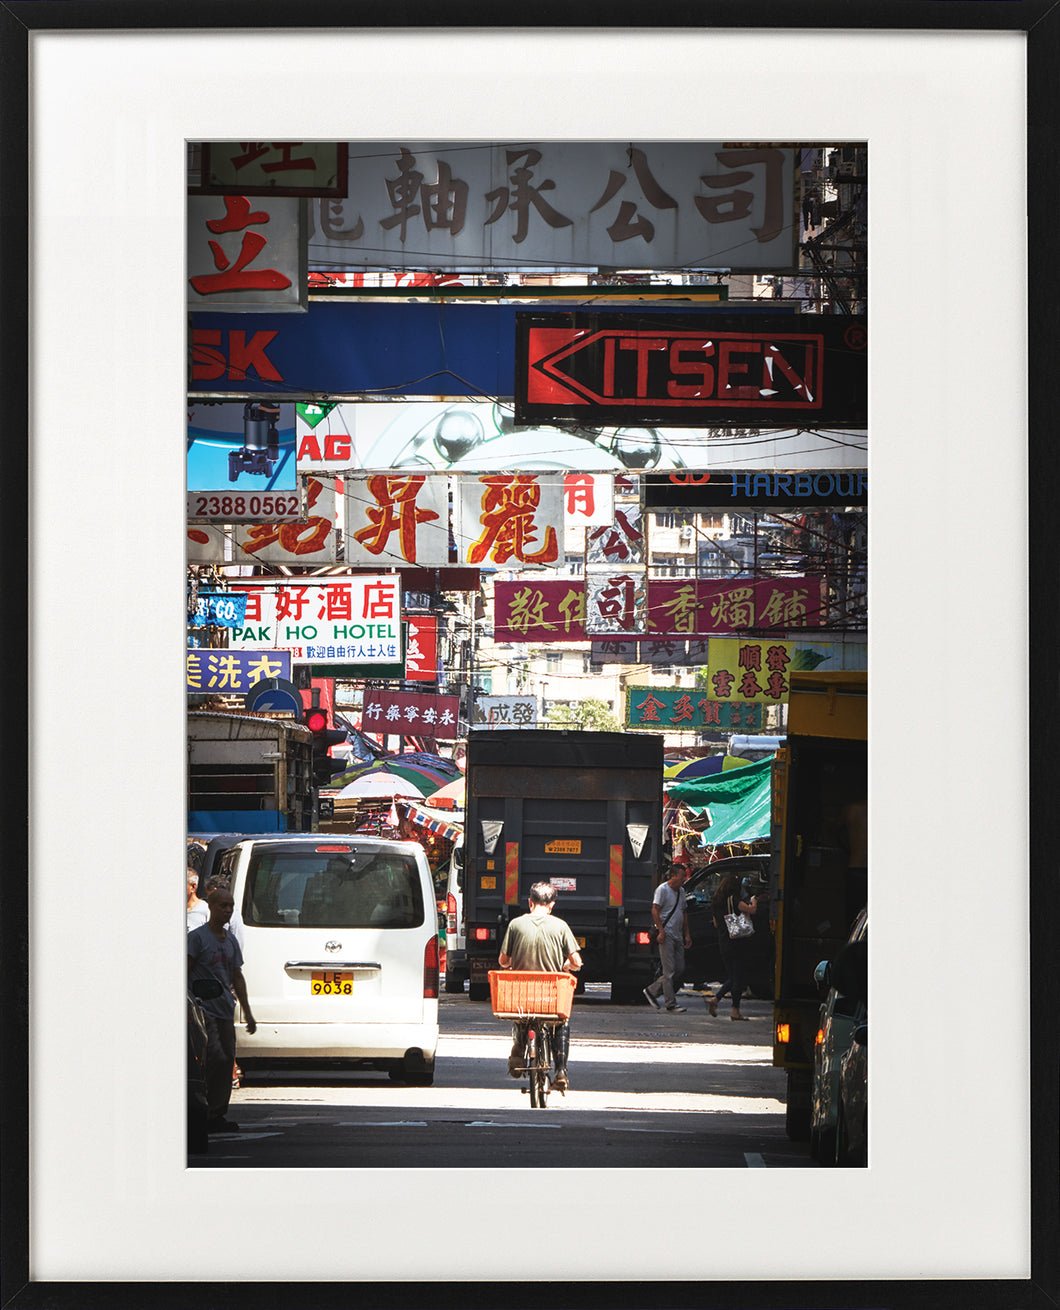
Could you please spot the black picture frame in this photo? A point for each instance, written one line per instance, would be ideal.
(1039, 21)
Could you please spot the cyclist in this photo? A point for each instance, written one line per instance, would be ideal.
(541, 943)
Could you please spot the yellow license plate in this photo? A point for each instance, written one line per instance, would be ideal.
(331, 983)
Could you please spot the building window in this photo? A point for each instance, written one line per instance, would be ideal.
(553, 661)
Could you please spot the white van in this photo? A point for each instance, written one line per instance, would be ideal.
(340, 947)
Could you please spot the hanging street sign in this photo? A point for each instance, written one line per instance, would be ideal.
(691, 370)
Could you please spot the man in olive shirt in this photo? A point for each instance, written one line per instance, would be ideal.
(540, 943)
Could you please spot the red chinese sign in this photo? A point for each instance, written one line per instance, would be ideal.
(243, 253)
(412, 712)
(556, 611)
(421, 650)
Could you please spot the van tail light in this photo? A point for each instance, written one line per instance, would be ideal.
(450, 910)
(430, 969)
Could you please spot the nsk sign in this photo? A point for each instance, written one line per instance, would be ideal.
(691, 370)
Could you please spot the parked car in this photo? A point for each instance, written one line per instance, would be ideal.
(703, 963)
(340, 952)
(199, 991)
(844, 982)
(852, 1124)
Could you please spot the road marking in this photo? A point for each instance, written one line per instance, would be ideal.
(534, 1123)
(383, 1123)
(754, 1161)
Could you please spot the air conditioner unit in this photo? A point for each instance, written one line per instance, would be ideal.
(686, 533)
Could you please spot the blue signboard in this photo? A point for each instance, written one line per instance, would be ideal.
(391, 349)
(221, 609)
(232, 672)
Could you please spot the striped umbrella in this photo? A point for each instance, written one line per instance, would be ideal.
(424, 779)
(702, 767)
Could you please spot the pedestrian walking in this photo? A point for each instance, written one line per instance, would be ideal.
(670, 916)
(728, 899)
(198, 911)
(214, 953)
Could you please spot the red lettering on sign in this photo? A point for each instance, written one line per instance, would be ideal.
(682, 366)
(730, 364)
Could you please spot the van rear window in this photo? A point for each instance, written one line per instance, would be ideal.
(310, 889)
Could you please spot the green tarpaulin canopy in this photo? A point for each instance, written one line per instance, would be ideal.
(738, 801)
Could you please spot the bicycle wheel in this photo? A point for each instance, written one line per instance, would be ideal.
(533, 1046)
(540, 1069)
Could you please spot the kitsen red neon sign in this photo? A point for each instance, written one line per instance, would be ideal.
(667, 370)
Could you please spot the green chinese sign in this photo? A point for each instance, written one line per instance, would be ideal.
(672, 709)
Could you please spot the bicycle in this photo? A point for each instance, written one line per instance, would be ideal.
(536, 1034)
(537, 1002)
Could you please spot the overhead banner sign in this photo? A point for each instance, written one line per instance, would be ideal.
(546, 204)
(756, 489)
(232, 671)
(413, 712)
(551, 611)
(667, 709)
(691, 370)
(349, 620)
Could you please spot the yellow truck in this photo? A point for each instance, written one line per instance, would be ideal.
(819, 860)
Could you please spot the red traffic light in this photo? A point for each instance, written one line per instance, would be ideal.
(316, 719)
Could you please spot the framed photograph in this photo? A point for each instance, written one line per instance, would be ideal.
(957, 103)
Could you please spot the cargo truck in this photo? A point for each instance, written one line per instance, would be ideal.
(819, 860)
(582, 810)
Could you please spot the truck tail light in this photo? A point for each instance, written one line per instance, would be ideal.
(819, 1039)
(783, 1034)
(642, 938)
(430, 969)
(482, 934)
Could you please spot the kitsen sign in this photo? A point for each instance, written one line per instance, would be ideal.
(691, 370)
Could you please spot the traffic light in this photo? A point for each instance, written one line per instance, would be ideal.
(324, 767)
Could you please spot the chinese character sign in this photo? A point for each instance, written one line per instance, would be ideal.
(421, 650)
(353, 620)
(622, 543)
(650, 205)
(588, 499)
(509, 518)
(562, 611)
(750, 670)
(615, 603)
(230, 672)
(414, 713)
(312, 540)
(505, 712)
(394, 520)
(245, 253)
(269, 168)
(669, 709)
(205, 544)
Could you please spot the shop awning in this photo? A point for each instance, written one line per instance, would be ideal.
(737, 803)
(431, 822)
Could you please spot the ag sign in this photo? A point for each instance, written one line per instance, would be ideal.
(691, 370)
